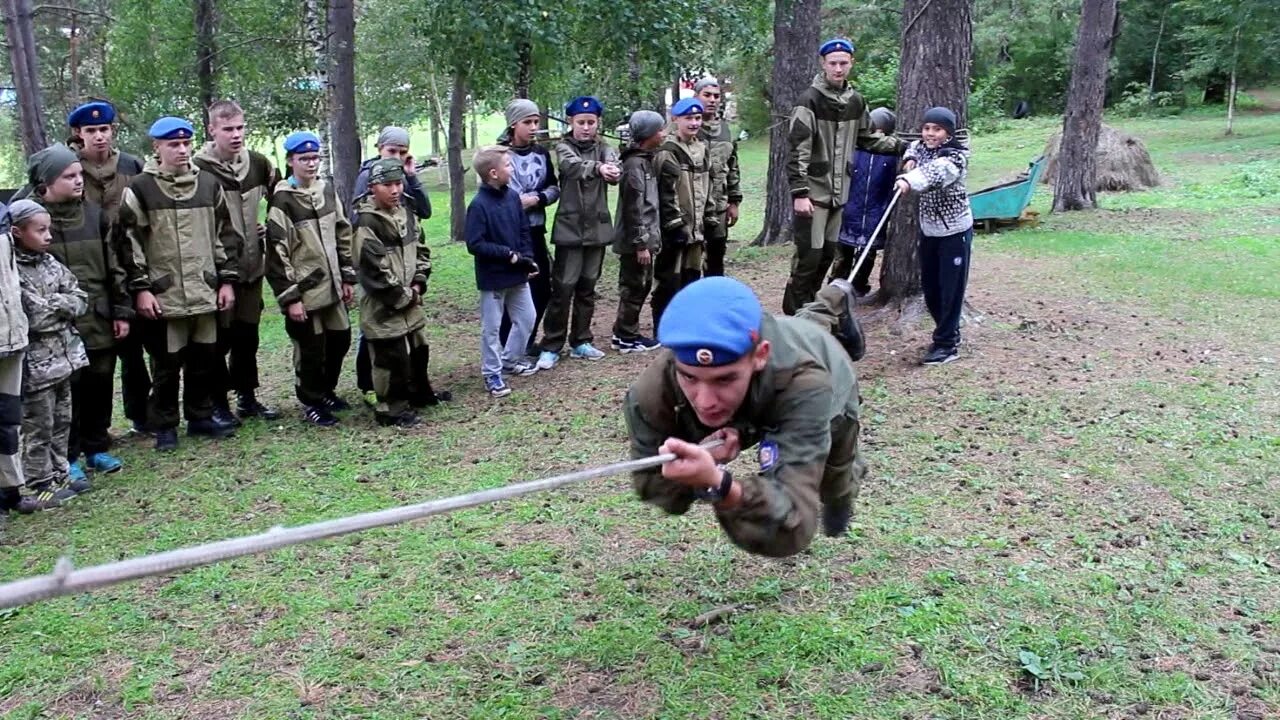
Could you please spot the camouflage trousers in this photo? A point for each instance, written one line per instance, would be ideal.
(10, 419)
(634, 283)
(46, 427)
(400, 373)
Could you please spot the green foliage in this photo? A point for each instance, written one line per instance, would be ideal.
(1136, 101)
(878, 83)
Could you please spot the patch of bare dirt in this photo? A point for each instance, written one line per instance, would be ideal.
(599, 694)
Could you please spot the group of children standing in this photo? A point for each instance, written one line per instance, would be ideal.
(677, 198)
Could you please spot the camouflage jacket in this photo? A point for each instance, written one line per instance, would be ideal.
(52, 300)
(13, 319)
(308, 246)
(726, 180)
(684, 182)
(247, 181)
(790, 405)
(392, 258)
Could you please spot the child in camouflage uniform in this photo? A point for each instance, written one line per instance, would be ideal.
(52, 301)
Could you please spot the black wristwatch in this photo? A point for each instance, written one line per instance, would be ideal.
(716, 494)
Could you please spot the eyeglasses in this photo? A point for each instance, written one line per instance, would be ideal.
(308, 159)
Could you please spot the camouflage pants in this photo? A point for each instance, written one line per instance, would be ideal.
(46, 425)
(400, 372)
(634, 282)
(574, 273)
(10, 419)
(815, 240)
(844, 471)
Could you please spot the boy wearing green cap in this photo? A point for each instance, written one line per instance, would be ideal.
(393, 264)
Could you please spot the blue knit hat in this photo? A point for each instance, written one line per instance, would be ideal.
(711, 322)
(302, 142)
(687, 106)
(836, 45)
(583, 104)
(171, 128)
(92, 113)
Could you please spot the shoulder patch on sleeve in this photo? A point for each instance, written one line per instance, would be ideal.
(768, 455)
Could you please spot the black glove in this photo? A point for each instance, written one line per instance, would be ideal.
(678, 237)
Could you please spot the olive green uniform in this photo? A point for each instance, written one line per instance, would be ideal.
(802, 411)
(637, 229)
(684, 187)
(725, 189)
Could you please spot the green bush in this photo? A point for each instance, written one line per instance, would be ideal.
(1135, 102)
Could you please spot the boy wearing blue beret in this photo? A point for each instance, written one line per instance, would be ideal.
(684, 207)
(725, 194)
(828, 121)
(248, 179)
(937, 166)
(639, 234)
(784, 384)
(107, 172)
(309, 267)
(581, 233)
(181, 258)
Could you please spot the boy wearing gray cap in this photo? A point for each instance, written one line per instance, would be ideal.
(725, 193)
(639, 233)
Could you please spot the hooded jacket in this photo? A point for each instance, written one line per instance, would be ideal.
(181, 243)
(684, 184)
(582, 220)
(415, 196)
(392, 257)
(308, 246)
(247, 180)
(13, 319)
(52, 301)
(726, 179)
(104, 184)
(638, 223)
(827, 123)
(82, 242)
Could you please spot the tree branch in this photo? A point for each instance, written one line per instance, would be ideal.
(36, 10)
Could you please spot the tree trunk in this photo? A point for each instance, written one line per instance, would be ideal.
(475, 126)
(344, 130)
(1155, 56)
(315, 19)
(26, 74)
(73, 59)
(937, 48)
(633, 79)
(457, 173)
(1075, 188)
(524, 67)
(436, 113)
(206, 25)
(1231, 94)
(795, 45)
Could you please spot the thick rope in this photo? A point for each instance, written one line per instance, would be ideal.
(65, 580)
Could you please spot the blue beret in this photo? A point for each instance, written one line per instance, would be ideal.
(687, 106)
(583, 104)
(302, 142)
(92, 113)
(836, 45)
(712, 322)
(171, 128)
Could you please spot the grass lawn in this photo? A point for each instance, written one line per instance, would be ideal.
(1079, 520)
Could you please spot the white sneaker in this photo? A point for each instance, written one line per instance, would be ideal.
(520, 368)
(586, 351)
(547, 360)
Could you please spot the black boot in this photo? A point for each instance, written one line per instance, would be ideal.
(207, 428)
(836, 516)
(333, 403)
(248, 406)
(222, 414)
(405, 419)
(10, 498)
(166, 440)
(849, 331)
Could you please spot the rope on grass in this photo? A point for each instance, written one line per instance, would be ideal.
(66, 580)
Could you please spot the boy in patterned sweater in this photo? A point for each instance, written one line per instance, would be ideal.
(936, 167)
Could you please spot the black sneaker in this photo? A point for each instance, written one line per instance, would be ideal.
(247, 406)
(166, 440)
(222, 417)
(319, 416)
(836, 516)
(10, 498)
(209, 428)
(849, 331)
(333, 403)
(938, 355)
(139, 428)
(78, 485)
(403, 420)
(436, 397)
(43, 496)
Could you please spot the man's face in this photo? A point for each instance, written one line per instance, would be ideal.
(716, 393)
(523, 132)
(97, 139)
(174, 154)
(836, 67)
(934, 135)
(228, 133)
(305, 166)
(67, 186)
(34, 235)
(387, 194)
(688, 125)
(584, 126)
(396, 152)
(710, 98)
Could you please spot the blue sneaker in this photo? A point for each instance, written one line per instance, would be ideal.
(104, 463)
(548, 360)
(496, 386)
(77, 482)
(75, 471)
(586, 351)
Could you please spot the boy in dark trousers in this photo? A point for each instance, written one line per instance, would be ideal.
(684, 186)
(871, 180)
(726, 180)
(533, 177)
(581, 233)
(393, 266)
(639, 234)
(937, 165)
(497, 232)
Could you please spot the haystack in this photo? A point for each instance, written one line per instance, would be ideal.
(1123, 162)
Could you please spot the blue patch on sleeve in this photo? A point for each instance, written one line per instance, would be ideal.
(768, 455)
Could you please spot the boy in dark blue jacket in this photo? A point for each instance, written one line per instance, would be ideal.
(870, 188)
(497, 232)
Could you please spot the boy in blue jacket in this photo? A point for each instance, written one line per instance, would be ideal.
(497, 233)
(870, 188)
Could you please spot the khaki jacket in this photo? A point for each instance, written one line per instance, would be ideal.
(726, 179)
(248, 180)
(638, 225)
(82, 242)
(392, 258)
(308, 246)
(582, 220)
(684, 185)
(13, 319)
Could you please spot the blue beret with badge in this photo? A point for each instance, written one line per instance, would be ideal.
(687, 106)
(583, 104)
(836, 45)
(711, 322)
(171, 128)
(302, 142)
(92, 113)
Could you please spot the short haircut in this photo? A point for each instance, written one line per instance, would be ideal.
(488, 158)
(224, 109)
